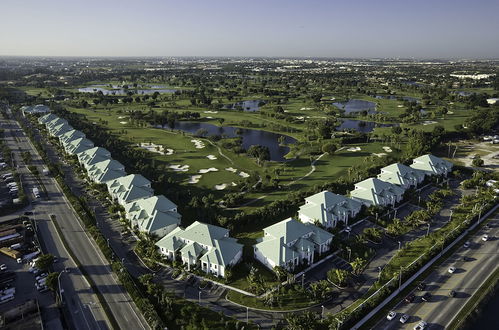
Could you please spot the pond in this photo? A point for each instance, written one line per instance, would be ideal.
(356, 106)
(250, 105)
(117, 90)
(359, 125)
(250, 137)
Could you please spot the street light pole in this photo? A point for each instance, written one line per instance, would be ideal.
(322, 313)
(199, 297)
(400, 277)
(399, 244)
(59, 286)
(247, 314)
(428, 230)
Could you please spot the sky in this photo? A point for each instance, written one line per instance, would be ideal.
(274, 28)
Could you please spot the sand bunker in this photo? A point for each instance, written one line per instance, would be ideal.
(450, 112)
(300, 117)
(211, 157)
(306, 108)
(209, 117)
(429, 122)
(381, 154)
(198, 144)
(122, 117)
(210, 111)
(354, 149)
(207, 170)
(195, 178)
(233, 184)
(244, 175)
(152, 147)
(123, 122)
(231, 169)
(387, 149)
(221, 186)
(178, 168)
(400, 106)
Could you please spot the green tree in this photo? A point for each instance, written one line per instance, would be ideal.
(51, 281)
(44, 262)
(338, 276)
(329, 148)
(477, 161)
(358, 265)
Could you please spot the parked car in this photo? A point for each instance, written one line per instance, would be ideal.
(426, 297)
(391, 315)
(3, 267)
(404, 318)
(465, 258)
(42, 275)
(409, 298)
(452, 293)
(485, 238)
(452, 269)
(421, 286)
(421, 325)
(467, 244)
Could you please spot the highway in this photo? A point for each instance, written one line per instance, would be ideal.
(85, 250)
(482, 259)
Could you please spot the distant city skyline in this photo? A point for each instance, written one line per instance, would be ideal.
(272, 28)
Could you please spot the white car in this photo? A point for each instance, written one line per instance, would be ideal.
(421, 325)
(452, 269)
(404, 318)
(391, 316)
(3, 267)
(485, 237)
(467, 244)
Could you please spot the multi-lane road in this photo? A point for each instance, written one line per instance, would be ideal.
(473, 265)
(79, 297)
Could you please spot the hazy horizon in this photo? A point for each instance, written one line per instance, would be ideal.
(385, 29)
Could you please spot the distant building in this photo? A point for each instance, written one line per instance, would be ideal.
(153, 215)
(60, 129)
(129, 188)
(207, 246)
(93, 156)
(290, 243)
(106, 170)
(34, 110)
(47, 118)
(432, 165)
(78, 145)
(376, 192)
(401, 175)
(69, 136)
(328, 208)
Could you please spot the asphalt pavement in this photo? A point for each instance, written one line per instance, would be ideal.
(482, 258)
(85, 250)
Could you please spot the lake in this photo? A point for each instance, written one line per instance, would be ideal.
(250, 137)
(117, 90)
(356, 106)
(250, 105)
(359, 125)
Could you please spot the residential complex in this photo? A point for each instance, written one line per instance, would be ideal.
(290, 243)
(327, 208)
(207, 246)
